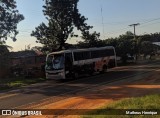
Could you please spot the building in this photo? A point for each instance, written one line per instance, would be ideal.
(28, 63)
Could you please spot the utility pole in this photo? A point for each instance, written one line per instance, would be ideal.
(134, 25)
(102, 21)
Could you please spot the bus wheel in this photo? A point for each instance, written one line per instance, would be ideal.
(91, 72)
(104, 69)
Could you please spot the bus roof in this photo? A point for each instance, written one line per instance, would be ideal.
(78, 50)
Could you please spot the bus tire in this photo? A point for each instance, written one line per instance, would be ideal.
(104, 69)
(91, 72)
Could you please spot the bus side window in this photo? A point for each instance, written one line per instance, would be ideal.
(95, 54)
(68, 60)
(86, 55)
(110, 52)
(78, 56)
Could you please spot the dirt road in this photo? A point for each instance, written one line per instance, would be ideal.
(140, 85)
(94, 92)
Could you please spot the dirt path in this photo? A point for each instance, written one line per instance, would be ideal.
(105, 94)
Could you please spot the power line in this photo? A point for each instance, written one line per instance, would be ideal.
(123, 29)
(151, 20)
(143, 25)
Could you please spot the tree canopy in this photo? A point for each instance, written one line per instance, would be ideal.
(90, 40)
(126, 44)
(9, 18)
(63, 16)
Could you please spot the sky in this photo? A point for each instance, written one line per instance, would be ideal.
(109, 17)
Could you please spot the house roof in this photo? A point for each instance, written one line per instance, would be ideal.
(27, 53)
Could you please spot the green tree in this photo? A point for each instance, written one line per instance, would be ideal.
(155, 37)
(111, 42)
(4, 49)
(146, 48)
(124, 44)
(9, 18)
(63, 16)
(4, 57)
(90, 40)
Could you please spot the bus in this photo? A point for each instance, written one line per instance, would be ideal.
(72, 63)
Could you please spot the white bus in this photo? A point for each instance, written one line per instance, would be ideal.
(71, 63)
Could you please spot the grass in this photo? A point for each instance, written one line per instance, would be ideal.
(9, 83)
(138, 103)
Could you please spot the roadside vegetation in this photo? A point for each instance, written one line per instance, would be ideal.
(145, 102)
(11, 83)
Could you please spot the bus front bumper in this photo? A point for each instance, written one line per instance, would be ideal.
(55, 75)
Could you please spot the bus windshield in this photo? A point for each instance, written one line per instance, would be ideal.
(55, 62)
